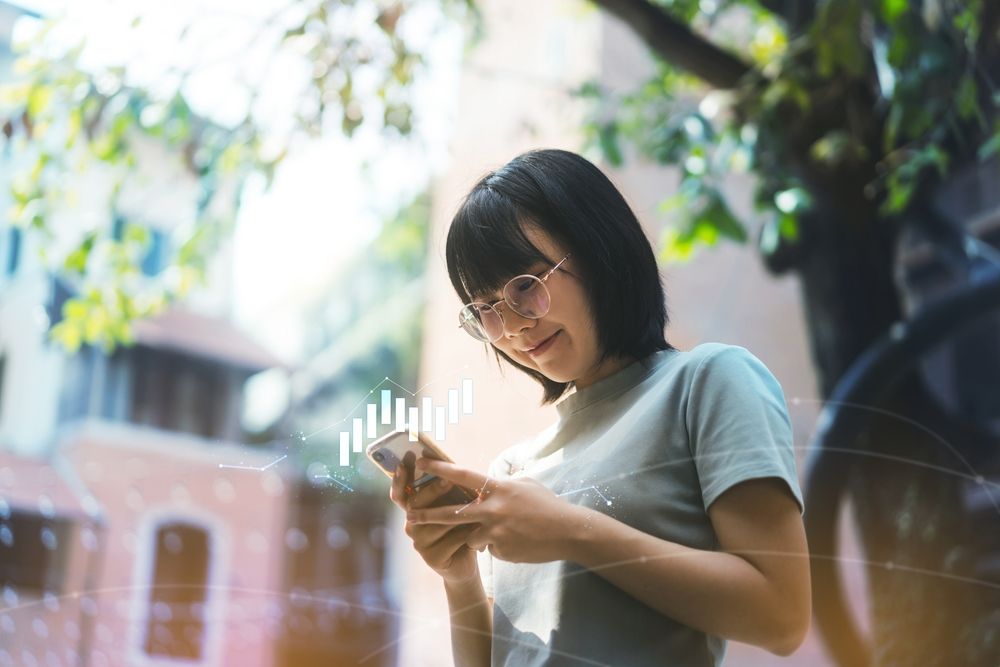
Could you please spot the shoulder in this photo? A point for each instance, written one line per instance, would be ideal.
(719, 353)
(717, 369)
(715, 360)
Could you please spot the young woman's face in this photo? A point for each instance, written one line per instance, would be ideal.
(567, 333)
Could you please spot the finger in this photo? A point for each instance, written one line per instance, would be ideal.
(453, 473)
(424, 536)
(478, 539)
(428, 493)
(448, 515)
(397, 491)
(447, 545)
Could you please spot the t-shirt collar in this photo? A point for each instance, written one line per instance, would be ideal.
(614, 384)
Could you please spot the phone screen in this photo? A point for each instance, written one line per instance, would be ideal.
(395, 449)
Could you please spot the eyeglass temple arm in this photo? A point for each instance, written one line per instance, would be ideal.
(553, 269)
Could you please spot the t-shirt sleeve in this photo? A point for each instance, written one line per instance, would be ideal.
(738, 424)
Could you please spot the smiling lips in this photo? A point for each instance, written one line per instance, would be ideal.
(541, 347)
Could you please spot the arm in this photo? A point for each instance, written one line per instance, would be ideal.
(471, 622)
(756, 589)
(444, 549)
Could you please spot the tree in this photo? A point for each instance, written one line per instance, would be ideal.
(66, 113)
(852, 116)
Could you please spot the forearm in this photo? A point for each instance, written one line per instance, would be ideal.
(471, 622)
(716, 592)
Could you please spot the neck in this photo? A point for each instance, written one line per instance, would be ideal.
(608, 367)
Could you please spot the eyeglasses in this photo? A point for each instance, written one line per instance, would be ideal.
(526, 295)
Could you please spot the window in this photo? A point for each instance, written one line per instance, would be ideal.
(156, 254)
(13, 250)
(59, 293)
(33, 552)
(175, 622)
(176, 393)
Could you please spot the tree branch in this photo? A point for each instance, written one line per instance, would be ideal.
(797, 14)
(674, 42)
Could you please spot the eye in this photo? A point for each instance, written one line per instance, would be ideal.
(524, 285)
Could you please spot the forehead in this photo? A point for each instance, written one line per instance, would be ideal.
(547, 245)
(544, 242)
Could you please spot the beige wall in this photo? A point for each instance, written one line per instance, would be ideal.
(514, 98)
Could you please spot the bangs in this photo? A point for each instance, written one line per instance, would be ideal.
(487, 245)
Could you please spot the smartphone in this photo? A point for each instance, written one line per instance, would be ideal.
(395, 449)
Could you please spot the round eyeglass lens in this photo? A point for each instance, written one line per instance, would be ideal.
(527, 296)
(481, 321)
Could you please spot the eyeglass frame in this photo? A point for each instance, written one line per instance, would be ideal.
(504, 300)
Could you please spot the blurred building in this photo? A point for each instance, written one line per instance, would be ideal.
(136, 526)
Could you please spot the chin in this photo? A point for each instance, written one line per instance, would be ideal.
(556, 376)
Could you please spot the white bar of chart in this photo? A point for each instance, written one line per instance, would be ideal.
(400, 414)
(387, 406)
(370, 421)
(427, 405)
(439, 423)
(356, 433)
(466, 396)
(345, 445)
(453, 406)
(414, 423)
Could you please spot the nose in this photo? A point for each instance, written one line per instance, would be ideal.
(513, 323)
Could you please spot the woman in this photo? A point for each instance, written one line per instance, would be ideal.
(661, 515)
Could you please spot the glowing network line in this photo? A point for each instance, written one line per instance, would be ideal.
(255, 468)
(596, 490)
(334, 480)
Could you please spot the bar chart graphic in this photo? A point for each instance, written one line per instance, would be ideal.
(382, 408)
(385, 409)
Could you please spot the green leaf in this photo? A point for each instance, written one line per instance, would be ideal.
(76, 261)
(992, 146)
(837, 146)
(718, 215)
(788, 227)
(67, 334)
(39, 99)
(967, 99)
(893, 9)
(610, 147)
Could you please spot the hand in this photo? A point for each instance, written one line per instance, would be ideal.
(443, 548)
(519, 520)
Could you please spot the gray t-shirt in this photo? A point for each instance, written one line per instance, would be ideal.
(652, 446)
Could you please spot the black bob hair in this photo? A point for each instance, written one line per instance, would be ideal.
(571, 200)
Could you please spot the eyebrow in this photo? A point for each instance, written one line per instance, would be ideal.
(489, 298)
